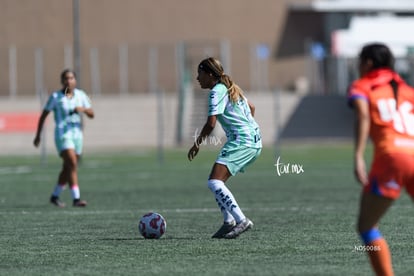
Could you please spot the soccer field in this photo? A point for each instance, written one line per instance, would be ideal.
(304, 216)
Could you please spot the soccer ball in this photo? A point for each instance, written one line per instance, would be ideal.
(152, 226)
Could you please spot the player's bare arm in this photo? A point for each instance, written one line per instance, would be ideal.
(362, 124)
(40, 124)
(88, 111)
(205, 132)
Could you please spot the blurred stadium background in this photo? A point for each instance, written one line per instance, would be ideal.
(137, 60)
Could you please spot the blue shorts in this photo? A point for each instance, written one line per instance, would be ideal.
(64, 143)
(237, 158)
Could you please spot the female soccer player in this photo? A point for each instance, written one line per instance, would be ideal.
(67, 105)
(383, 105)
(227, 104)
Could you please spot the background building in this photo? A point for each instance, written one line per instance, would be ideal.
(149, 50)
(131, 46)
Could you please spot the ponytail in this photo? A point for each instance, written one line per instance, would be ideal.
(235, 92)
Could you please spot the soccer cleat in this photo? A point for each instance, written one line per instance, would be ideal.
(224, 229)
(79, 203)
(239, 228)
(55, 201)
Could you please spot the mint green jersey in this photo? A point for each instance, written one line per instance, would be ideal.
(67, 122)
(235, 118)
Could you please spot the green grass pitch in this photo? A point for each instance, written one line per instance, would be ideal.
(304, 218)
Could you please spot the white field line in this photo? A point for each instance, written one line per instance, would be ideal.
(161, 211)
(15, 170)
(77, 212)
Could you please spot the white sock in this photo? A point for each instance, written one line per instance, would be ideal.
(226, 214)
(74, 189)
(58, 189)
(226, 201)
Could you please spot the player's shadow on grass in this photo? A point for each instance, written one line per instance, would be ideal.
(119, 239)
(142, 239)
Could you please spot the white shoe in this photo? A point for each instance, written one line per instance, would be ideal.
(241, 227)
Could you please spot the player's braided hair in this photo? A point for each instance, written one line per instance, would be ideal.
(213, 66)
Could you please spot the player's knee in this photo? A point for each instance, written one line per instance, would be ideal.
(363, 225)
(70, 164)
(370, 235)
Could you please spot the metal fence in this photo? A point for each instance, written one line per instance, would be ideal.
(135, 69)
(128, 68)
(333, 75)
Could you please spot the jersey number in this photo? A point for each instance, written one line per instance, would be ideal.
(257, 136)
(403, 118)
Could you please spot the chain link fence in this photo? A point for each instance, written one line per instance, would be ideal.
(128, 68)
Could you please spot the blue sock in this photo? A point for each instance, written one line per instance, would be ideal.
(370, 235)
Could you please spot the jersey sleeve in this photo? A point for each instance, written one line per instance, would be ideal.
(216, 101)
(85, 101)
(356, 91)
(51, 103)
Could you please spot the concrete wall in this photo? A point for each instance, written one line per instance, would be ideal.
(132, 122)
(320, 117)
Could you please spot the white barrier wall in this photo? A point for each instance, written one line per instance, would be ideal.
(132, 122)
